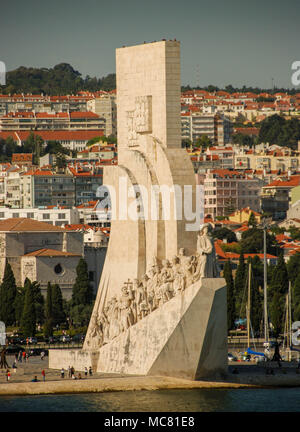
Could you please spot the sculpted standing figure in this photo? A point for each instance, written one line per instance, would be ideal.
(166, 287)
(179, 279)
(207, 264)
(125, 307)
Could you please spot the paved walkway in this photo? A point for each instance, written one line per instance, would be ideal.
(247, 376)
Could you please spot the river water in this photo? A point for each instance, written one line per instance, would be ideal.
(196, 400)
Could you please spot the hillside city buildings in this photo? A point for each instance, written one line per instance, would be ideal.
(236, 180)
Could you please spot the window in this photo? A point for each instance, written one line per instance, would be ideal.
(15, 215)
(58, 269)
(46, 216)
(61, 215)
(30, 215)
(2, 215)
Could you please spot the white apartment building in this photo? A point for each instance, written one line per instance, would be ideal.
(215, 126)
(55, 216)
(105, 106)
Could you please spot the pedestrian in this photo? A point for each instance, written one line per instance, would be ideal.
(20, 356)
(90, 371)
(7, 375)
(27, 357)
(42, 355)
(24, 356)
(85, 371)
(69, 372)
(14, 366)
(62, 373)
(34, 379)
(79, 376)
(43, 375)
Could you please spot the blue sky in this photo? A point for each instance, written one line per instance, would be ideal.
(222, 42)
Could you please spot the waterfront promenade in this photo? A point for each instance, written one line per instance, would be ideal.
(248, 376)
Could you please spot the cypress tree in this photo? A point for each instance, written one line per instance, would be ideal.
(230, 295)
(19, 304)
(296, 299)
(38, 302)
(277, 291)
(8, 291)
(252, 221)
(82, 291)
(28, 319)
(48, 325)
(58, 315)
(239, 284)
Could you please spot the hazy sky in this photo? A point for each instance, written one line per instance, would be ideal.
(222, 42)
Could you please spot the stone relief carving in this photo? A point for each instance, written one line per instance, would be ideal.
(139, 120)
(138, 298)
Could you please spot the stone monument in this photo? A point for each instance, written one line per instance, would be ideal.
(161, 305)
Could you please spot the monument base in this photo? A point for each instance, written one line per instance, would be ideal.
(186, 338)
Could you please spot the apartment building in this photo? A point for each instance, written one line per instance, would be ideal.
(227, 190)
(27, 121)
(87, 180)
(105, 107)
(276, 196)
(57, 216)
(217, 127)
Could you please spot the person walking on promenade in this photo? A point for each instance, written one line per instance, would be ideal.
(90, 371)
(69, 372)
(62, 373)
(20, 356)
(7, 375)
(42, 355)
(72, 372)
(43, 375)
(24, 356)
(85, 372)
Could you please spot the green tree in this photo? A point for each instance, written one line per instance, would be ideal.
(58, 314)
(19, 304)
(82, 291)
(277, 291)
(38, 302)
(296, 299)
(239, 284)
(230, 295)
(28, 320)
(224, 233)
(48, 325)
(293, 267)
(252, 221)
(8, 291)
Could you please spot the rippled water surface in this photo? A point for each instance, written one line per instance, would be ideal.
(199, 400)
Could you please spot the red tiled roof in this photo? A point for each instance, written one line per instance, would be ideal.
(26, 224)
(62, 135)
(50, 252)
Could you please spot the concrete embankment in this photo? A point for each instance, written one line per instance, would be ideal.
(110, 385)
(141, 383)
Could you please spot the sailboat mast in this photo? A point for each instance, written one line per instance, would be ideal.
(248, 305)
(266, 335)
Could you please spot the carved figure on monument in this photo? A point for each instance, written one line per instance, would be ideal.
(151, 290)
(113, 314)
(166, 282)
(96, 333)
(125, 307)
(207, 264)
(178, 276)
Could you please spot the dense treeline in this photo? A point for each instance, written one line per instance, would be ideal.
(278, 130)
(26, 308)
(60, 80)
